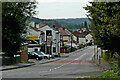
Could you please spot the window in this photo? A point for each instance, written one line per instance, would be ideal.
(54, 49)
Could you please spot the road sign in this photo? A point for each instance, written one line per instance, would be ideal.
(76, 42)
(32, 37)
(49, 39)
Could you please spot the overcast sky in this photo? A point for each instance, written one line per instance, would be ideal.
(54, 9)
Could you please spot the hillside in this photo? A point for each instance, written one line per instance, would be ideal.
(68, 23)
(74, 20)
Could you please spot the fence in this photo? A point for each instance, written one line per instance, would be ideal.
(8, 61)
(97, 54)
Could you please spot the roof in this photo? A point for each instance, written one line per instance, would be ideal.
(83, 34)
(64, 32)
(33, 31)
(76, 33)
(41, 25)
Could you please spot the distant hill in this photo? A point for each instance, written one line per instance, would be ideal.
(74, 20)
(68, 23)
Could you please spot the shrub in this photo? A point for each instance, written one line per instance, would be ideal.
(108, 74)
(106, 55)
(81, 46)
(115, 63)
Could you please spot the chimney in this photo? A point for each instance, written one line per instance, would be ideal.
(80, 28)
(53, 25)
(87, 29)
(63, 28)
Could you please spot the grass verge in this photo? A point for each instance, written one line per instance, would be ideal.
(107, 75)
(26, 62)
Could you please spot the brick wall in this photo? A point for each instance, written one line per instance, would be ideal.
(24, 55)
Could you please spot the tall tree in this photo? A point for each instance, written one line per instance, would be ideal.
(14, 16)
(105, 24)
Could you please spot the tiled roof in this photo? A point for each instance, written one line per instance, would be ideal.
(64, 32)
(76, 33)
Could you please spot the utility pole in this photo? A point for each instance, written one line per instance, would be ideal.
(94, 50)
(71, 42)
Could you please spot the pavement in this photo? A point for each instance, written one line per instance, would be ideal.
(103, 65)
(21, 65)
(16, 66)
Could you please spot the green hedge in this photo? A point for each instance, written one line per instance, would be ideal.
(108, 74)
(106, 55)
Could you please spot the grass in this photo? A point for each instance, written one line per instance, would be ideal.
(107, 75)
(26, 62)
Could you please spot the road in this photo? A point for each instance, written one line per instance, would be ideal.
(77, 65)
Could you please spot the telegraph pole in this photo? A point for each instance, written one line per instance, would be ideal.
(71, 42)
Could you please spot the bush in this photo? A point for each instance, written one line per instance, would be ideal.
(115, 63)
(108, 74)
(81, 46)
(89, 44)
(106, 55)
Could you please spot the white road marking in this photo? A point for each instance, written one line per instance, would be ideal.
(67, 63)
(80, 56)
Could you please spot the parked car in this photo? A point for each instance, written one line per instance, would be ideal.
(34, 55)
(45, 56)
(73, 45)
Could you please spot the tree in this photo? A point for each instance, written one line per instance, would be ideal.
(105, 24)
(14, 16)
(82, 25)
(85, 23)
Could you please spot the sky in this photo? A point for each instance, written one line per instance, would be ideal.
(59, 9)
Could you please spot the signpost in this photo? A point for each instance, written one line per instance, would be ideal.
(76, 42)
(32, 37)
(49, 41)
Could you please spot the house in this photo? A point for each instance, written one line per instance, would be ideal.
(83, 35)
(34, 39)
(76, 33)
(51, 40)
(74, 38)
(89, 38)
(65, 36)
